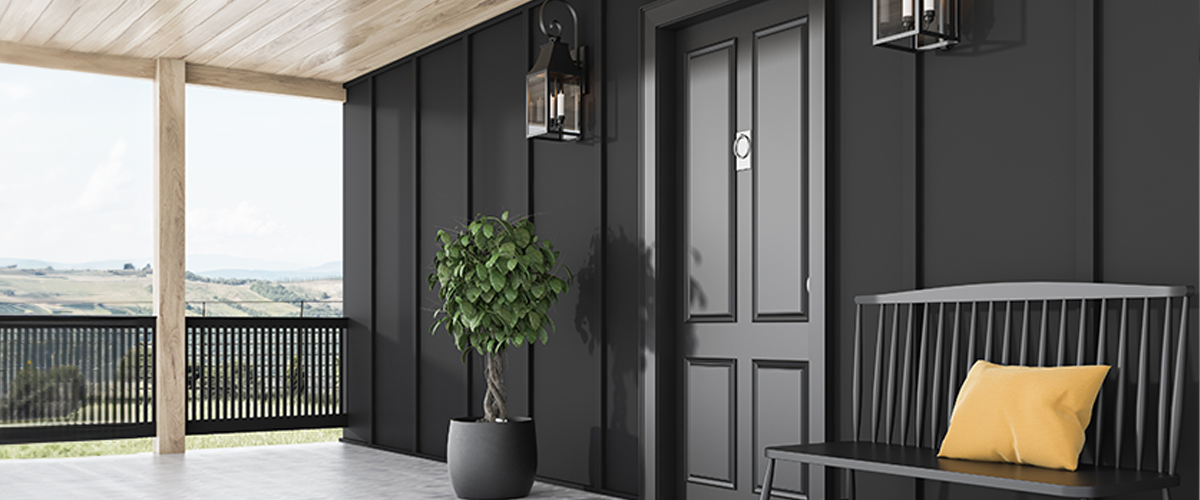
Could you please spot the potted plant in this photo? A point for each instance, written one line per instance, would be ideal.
(496, 281)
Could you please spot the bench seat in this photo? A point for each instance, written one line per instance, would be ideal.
(922, 463)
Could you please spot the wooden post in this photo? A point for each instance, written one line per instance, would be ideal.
(169, 269)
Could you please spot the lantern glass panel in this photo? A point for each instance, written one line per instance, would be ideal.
(568, 101)
(891, 16)
(536, 99)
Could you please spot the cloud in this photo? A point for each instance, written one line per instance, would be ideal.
(16, 119)
(244, 220)
(107, 180)
(15, 91)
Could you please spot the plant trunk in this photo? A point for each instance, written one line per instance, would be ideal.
(495, 401)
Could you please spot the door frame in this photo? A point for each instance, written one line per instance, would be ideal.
(659, 452)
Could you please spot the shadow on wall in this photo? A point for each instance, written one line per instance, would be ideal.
(623, 370)
(985, 31)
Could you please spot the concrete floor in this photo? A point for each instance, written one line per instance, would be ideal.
(322, 470)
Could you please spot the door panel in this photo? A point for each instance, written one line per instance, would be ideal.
(743, 337)
(712, 421)
(780, 416)
(710, 75)
(779, 214)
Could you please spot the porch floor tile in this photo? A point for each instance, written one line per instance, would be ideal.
(322, 470)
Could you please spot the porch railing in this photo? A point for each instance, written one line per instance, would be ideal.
(80, 378)
(75, 378)
(264, 374)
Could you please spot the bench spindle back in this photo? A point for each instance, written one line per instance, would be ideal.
(941, 332)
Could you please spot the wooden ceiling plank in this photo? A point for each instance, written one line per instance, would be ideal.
(334, 17)
(159, 14)
(43, 57)
(239, 31)
(4, 9)
(180, 26)
(51, 21)
(314, 53)
(421, 28)
(20, 17)
(300, 14)
(114, 26)
(85, 20)
(351, 31)
(263, 82)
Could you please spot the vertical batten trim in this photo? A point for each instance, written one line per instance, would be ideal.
(416, 246)
(468, 147)
(597, 90)
(1087, 257)
(374, 241)
(169, 256)
(910, 177)
(530, 193)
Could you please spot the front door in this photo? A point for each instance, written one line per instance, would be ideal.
(744, 337)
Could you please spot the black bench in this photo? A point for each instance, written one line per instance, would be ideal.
(1141, 331)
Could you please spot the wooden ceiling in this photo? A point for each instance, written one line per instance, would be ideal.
(325, 40)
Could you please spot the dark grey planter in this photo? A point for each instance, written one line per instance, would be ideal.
(492, 461)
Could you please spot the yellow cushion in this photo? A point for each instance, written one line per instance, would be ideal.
(1023, 415)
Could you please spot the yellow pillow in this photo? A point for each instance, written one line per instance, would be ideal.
(1023, 415)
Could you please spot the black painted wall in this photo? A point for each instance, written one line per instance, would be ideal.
(438, 137)
(1058, 143)
(1053, 145)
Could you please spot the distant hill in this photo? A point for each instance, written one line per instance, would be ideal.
(121, 292)
(212, 266)
(323, 271)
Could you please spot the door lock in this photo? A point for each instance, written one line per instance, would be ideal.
(741, 150)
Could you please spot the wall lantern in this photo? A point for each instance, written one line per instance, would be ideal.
(554, 87)
(916, 25)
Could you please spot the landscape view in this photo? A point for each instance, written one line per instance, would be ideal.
(39, 288)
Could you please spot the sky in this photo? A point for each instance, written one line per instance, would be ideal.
(264, 172)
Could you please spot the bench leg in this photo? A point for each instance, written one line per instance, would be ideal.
(766, 487)
(849, 484)
(1166, 494)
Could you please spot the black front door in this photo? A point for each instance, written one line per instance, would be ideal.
(744, 340)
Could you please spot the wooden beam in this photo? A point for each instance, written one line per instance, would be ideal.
(264, 82)
(42, 57)
(169, 346)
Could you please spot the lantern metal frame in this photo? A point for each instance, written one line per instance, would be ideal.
(565, 70)
(932, 29)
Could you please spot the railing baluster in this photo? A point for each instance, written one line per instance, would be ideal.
(1082, 333)
(1025, 335)
(952, 383)
(1163, 387)
(1004, 348)
(1180, 379)
(906, 380)
(987, 346)
(935, 394)
(1120, 424)
(1062, 335)
(890, 394)
(922, 360)
(1101, 341)
(1042, 334)
(876, 391)
(856, 383)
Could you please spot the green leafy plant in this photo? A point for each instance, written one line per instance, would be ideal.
(497, 281)
(37, 393)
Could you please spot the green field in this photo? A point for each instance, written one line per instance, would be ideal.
(101, 292)
(143, 445)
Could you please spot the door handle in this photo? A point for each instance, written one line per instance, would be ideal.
(741, 150)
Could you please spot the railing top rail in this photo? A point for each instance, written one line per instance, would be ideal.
(267, 321)
(65, 321)
(1023, 291)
